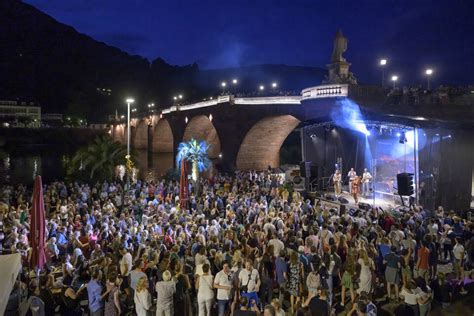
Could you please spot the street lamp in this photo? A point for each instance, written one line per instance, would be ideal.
(274, 84)
(180, 96)
(428, 73)
(383, 62)
(394, 80)
(223, 85)
(262, 87)
(129, 101)
(235, 81)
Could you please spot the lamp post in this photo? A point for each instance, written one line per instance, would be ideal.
(394, 80)
(129, 101)
(428, 73)
(223, 85)
(383, 62)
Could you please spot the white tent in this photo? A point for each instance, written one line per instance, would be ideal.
(10, 266)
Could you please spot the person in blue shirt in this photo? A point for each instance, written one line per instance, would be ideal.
(94, 293)
(281, 271)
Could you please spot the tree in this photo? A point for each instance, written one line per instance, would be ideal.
(196, 153)
(97, 161)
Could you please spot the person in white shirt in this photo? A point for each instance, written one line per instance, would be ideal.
(458, 251)
(205, 289)
(337, 179)
(352, 174)
(366, 178)
(249, 282)
(277, 244)
(125, 268)
(223, 283)
(142, 297)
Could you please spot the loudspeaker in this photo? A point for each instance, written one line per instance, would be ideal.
(364, 206)
(342, 209)
(313, 169)
(305, 170)
(405, 183)
(343, 200)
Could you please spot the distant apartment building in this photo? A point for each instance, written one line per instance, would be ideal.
(21, 112)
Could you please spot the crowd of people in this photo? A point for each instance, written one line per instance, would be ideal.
(245, 245)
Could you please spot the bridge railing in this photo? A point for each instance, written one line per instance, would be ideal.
(269, 100)
(326, 91)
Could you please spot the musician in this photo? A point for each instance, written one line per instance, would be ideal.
(337, 179)
(355, 188)
(352, 174)
(366, 178)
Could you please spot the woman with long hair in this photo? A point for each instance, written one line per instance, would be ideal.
(142, 297)
(182, 300)
(295, 274)
(366, 268)
(112, 301)
(348, 276)
(205, 288)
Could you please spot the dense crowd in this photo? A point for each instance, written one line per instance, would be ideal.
(244, 246)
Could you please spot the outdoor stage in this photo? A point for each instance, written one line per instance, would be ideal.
(388, 202)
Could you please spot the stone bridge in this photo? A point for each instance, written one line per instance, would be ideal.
(247, 133)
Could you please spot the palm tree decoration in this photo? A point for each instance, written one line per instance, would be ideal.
(196, 153)
(98, 160)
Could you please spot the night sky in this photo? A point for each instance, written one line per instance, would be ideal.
(411, 34)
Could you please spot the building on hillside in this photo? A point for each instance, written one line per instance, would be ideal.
(20, 113)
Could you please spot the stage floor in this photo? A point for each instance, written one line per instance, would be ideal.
(383, 200)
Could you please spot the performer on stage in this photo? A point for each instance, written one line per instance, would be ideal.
(352, 174)
(355, 188)
(366, 178)
(337, 179)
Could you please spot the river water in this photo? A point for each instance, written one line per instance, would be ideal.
(21, 164)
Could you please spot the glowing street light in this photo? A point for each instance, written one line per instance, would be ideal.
(180, 96)
(175, 98)
(383, 63)
(262, 87)
(235, 81)
(129, 101)
(428, 73)
(223, 84)
(274, 84)
(394, 80)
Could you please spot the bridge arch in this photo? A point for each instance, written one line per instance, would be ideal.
(162, 137)
(132, 135)
(118, 132)
(261, 145)
(201, 128)
(141, 135)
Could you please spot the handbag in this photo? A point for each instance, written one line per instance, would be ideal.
(244, 288)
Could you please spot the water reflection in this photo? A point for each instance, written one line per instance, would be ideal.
(22, 164)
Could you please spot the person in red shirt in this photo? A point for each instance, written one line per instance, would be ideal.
(422, 265)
